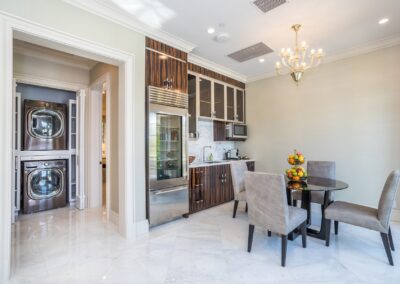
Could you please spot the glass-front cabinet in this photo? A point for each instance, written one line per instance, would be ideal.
(205, 98)
(239, 105)
(230, 103)
(192, 91)
(219, 101)
(213, 99)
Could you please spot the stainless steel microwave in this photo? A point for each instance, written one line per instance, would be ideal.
(236, 130)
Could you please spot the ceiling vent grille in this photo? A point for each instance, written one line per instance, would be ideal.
(250, 52)
(268, 5)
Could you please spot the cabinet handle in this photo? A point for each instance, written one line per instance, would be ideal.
(199, 201)
(198, 185)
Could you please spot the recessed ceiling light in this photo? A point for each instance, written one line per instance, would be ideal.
(383, 21)
(211, 30)
(261, 60)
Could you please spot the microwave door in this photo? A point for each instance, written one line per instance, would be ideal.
(167, 147)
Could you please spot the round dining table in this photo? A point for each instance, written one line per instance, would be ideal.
(314, 184)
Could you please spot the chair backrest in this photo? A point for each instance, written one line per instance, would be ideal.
(238, 170)
(267, 201)
(388, 197)
(321, 169)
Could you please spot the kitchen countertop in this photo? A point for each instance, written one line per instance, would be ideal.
(223, 162)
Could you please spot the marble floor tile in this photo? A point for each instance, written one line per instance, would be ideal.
(70, 246)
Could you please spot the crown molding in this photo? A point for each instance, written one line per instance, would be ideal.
(360, 50)
(106, 11)
(198, 60)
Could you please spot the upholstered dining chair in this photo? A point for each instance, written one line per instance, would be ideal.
(269, 209)
(367, 217)
(322, 169)
(238, 169)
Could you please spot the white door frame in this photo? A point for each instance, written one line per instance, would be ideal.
(98, 84)
(10, 24)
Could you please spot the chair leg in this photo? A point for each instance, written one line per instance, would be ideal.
(284, 249)
(336, 227)
(327, 232)
(235, 206)
(304, 234)
(250, 239)
(246, 207)
(269, 233)
(385, 240)
(391, 239)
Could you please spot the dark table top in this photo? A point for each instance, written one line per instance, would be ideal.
(317, 184)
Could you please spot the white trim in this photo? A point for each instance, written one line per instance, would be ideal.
(198, 60)
(142, 228)
(395, 215)
(110, 13)
(356, 51)
(9, 24)
(106, 78)
(46, 82)
(113, 217)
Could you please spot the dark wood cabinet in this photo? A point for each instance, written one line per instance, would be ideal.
(219, 130)
(211, 186)
(166, 67)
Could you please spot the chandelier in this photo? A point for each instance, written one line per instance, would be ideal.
(298, 60)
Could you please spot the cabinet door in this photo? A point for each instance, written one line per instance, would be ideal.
(230, 103)
(227, 193)
(199, 185)
(205, 97)
(177, 75)
(219, 130)
(219, 101)
(239, 105)
(192, 87)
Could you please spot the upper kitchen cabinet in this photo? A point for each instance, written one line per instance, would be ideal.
(219, 101)
(219, 97)
(192, 91)
(166, 67)
(205, 98)
(239, 115)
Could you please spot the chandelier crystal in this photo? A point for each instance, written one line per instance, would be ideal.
(298, 60)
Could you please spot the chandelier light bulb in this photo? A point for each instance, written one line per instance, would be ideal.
(320, 51)
(278, 65)
(303, 44)
(312, 51)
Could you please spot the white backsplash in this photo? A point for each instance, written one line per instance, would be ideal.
(206, 138)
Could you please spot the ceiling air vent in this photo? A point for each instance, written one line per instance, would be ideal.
(250, 52)
(268, 5)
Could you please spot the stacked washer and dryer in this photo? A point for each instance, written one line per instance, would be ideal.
(44, 155)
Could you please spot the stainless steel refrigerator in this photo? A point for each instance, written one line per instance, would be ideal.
(167, 160)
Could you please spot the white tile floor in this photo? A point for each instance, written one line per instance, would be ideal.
(69, 246)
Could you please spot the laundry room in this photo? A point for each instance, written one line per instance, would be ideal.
(65, 142)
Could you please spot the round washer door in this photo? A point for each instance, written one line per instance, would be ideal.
(45, 183)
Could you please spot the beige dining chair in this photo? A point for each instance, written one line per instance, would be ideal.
(368, 217)
(322, 169)
(269, 209)
(238, 169)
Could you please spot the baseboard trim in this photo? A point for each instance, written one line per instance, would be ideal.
(395, 215)
(142, 228)
(113, 217)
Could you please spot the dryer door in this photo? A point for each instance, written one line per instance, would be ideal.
(45, 183)
(45, 123)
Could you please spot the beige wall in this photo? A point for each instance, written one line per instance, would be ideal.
(31, 66)
(74, 21)
(95, 73)
(346, 111)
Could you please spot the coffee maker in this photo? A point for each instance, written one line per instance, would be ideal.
(232, 154)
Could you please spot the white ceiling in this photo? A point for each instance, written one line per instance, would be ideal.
(338, 26)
